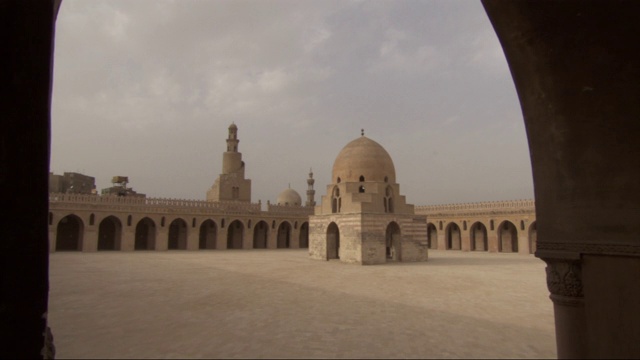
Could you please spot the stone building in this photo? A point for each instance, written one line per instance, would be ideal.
(129, 223)
(580, 108)
(72, 183)
(363, 219)
(231, 184)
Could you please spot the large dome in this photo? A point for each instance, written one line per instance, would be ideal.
(289, 197)
(363, 157)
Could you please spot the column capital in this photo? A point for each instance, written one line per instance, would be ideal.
(564, 278)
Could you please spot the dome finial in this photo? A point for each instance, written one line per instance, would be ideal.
(362, 132)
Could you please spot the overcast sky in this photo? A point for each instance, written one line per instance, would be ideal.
(147, 89)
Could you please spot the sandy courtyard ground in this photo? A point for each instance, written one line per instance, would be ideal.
(280, 304)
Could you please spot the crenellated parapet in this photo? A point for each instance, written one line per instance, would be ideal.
(150, 205)
(295, 210)
(485, 207)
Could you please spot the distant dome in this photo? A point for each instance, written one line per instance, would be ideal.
(289, 197)
(233, 126)
(365, 158)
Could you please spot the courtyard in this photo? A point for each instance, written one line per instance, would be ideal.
(281, 304)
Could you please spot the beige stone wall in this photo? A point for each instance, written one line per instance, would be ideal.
(490, 215)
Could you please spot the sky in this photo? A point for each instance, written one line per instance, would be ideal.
(147, 89)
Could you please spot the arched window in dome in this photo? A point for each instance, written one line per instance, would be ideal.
(388, 200)
(361, 179)
(335, 200)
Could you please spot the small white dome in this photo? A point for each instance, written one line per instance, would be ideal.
(289, 197)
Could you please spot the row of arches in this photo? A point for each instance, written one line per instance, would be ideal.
(70, 234)
(506, 233)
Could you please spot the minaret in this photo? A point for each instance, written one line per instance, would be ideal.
(232, 159)
(231, 184)
(310, 192)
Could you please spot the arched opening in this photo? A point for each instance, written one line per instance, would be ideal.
(92, 219)
(479, 240)
(129, 220)
(69, 234)
(145, 235)
(533, 237)
(392, 242)
(507, 237)
(333, 241)
(432, 236)
(388, 200)
(284, 235)
(453, 237)
(109, 234)
(208, 235)
(178, 235)
(235, 233)
(304, 235)
(335, 200)
(260, 235)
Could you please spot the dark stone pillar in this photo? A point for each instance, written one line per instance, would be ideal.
(26, 34)
(576, 67)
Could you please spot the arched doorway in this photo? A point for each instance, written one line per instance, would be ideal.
(109, 234)
(178, 235)
(260, 235)
(304, 235)
(479, 241)
(145, 235)
(507, 237)
(453, 237)
(432, 236)
(533, 237)
(235, 232)
(69, 234)
(392, 242)
(208, 235)
(333, 241)
(284, 235)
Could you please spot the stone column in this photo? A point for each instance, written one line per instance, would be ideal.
(294, 241)
(90, 239)
(128, 239)
(442, 244)
(247, 239)
(222, 237)
(272, 242)
(523, 242)
(465, 239)
(162, 238)
(193, 239)
(564, 281)
(492, 240)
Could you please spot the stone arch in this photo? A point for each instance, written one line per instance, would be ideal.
(393, 242)
(432, 236)
(533, 237)
(235, 234)
(335, 200)
(178, 235)
(333, 241)
(304, 235)
(284, 235)
(507, 237)
(110, 234)
(145, 237)
(208, 236)
(478, 235)
(69, 233)
(453, 237)
(260, 235)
